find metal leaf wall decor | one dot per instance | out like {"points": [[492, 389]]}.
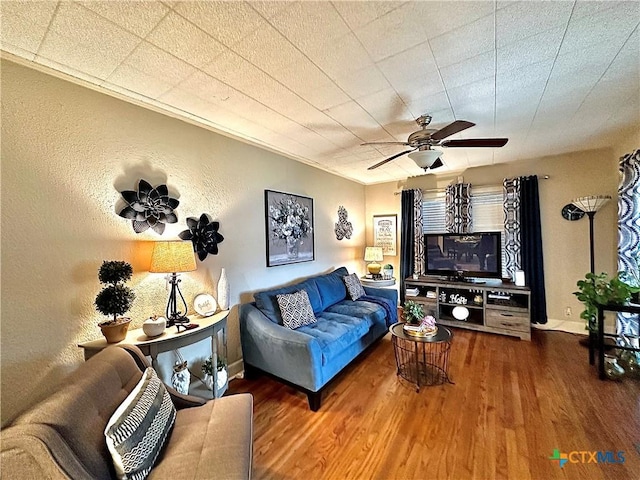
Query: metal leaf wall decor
{"points": [[344, 228], [149, 207], [204, 235]]}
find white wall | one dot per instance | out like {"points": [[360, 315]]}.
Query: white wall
{"points": [[67, 151]]}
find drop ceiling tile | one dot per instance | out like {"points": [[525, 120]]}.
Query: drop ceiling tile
{"points": [[95, 38], [531, 50], [404, 68], [479, 91], [469, 71], [79, 57], [128, 77], [304, 22], [312, 84], [585, 8], [351, 114], [392, 33], [358, 14], [342, 59], [24, 24], [526, 19], [438, 18], [231, 68], [606, 26], [268, 49], [138, 17], [71, 71], [184, 40], [362, 82], [385, 106], [428, 97], [207, 88], [227, 22], [269, 9], [153, 61], [464, 43]]}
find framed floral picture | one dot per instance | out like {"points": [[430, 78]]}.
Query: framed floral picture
{"points": [[289, 228]]}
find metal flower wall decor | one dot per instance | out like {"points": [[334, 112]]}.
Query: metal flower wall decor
{"points": [[204, 235], [149, 207], [344, 228]]}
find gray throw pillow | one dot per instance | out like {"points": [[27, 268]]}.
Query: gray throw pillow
{"points": [[139, 427], [295, 309], [354, 287]]}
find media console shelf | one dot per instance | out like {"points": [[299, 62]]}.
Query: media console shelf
{"points": [[493, 306]]}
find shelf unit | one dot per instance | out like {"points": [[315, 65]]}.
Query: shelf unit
{"points": [[493, 306], [629, 308]]}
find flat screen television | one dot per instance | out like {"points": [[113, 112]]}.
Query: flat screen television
{"points": [[464, 255]]}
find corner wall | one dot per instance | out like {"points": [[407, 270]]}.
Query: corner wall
{"points": [[67, 152], [565, 244]]}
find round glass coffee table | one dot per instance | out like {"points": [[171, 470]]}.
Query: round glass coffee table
{"points": [[423, 361]]}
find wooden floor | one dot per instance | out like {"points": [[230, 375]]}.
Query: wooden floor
{"points": [[512, 404]]}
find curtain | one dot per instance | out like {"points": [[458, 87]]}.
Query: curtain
{"points": [[511, 187], [523, 242], [418, 236], [628, 227], [407, 239], [458, 208]]}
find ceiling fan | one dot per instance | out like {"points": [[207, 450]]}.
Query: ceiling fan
{"points": [[425, 138]]}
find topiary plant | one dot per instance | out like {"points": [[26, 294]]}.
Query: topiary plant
{"points": [[116, 298]]}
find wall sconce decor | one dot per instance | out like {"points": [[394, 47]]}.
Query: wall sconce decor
{"points": [[172, 258], [344, 228], [204, 235], [149, 207]]}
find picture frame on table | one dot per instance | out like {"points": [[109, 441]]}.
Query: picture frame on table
{"points": [[288, 228], [385, 233]]}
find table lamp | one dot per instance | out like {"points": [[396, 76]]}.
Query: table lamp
{"points": [[172, 258], [373, 255]]}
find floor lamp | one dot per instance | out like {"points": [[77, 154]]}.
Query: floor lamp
{"points": [[590, 205]]}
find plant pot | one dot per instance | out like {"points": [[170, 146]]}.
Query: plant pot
{"points": [[115, 331]]}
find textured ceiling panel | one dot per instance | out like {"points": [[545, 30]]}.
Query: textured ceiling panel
{"points": [[314, 80]]}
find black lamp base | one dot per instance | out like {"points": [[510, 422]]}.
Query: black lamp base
{"points": [[175, 316]]}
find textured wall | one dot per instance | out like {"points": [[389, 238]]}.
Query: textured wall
{"points": [[66, 153]]}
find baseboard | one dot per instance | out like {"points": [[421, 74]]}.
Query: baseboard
{"points": [[562, 326]]}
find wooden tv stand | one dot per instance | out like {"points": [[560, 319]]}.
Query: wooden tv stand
{"points": [[493, 306]]}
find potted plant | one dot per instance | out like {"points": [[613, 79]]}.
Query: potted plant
{"points": [[207, 369], [114, 299], [387, 271], [598, 289], [413, 312]]}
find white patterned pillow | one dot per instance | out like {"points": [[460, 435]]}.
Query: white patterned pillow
{"points": [[139, 427], [295, 309], [354, 287]]}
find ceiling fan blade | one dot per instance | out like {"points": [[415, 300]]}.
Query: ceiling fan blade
{"points": [[384, 143], [393, 157], [452, 128], [475, 142], [437, 164]]}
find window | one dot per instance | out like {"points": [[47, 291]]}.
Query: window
{"points": [[486, 211]]}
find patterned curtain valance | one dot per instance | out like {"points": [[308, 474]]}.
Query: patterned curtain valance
{"points": [[458, 208]]}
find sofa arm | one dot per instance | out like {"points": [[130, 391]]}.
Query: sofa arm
{"points": [[291, 355], [388, 293]]}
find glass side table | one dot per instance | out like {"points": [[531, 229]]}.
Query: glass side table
{"points": [[423, 361]]}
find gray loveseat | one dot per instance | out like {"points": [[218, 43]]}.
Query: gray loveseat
{"points": [[310, 356], [62, 437]]}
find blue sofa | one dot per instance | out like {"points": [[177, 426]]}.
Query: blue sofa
{"points": [[310, 356]]}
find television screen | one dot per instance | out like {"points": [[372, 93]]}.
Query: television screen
{"points": [[464, 254]]}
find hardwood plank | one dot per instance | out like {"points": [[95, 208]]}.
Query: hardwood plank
{"points": [[512, 404]]}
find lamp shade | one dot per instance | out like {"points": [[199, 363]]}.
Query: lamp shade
{"points": [[373, 254], [174, 256], [592, 203], [425, 158]]}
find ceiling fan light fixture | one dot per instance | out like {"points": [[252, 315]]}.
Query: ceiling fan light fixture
{"points": [[425, 158]]}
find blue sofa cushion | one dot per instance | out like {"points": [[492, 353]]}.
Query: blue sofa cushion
{"points": [[331, 287], [335, 333], [295, 309], [368, 311], [267, 301]]}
